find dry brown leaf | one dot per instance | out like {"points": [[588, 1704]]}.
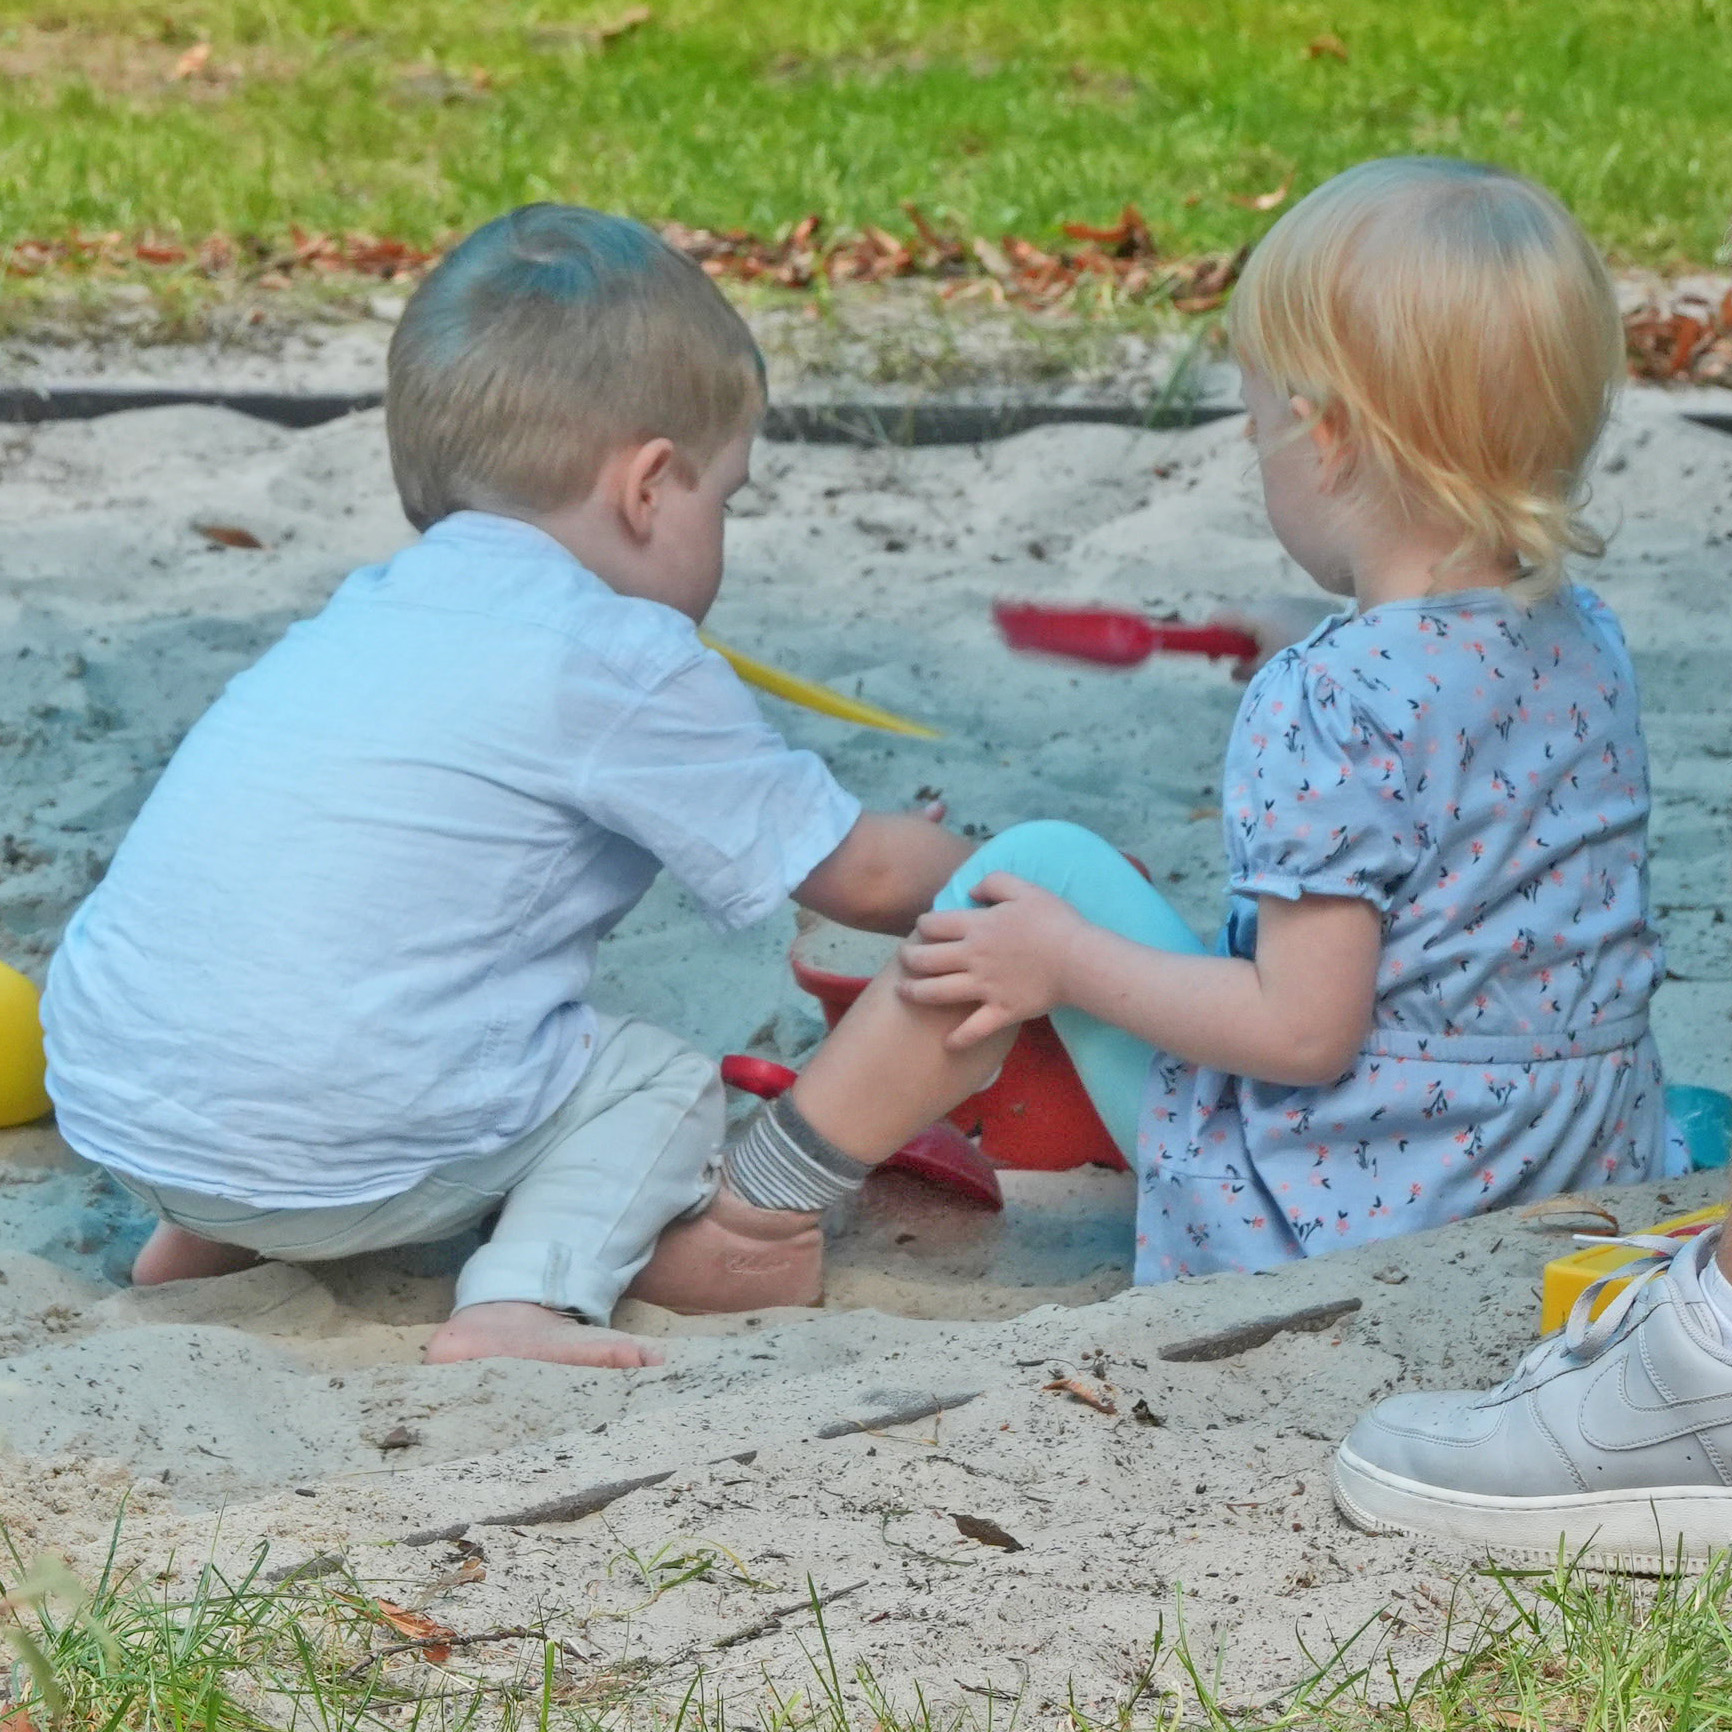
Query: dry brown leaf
{"points": [[418, 1627], [228, 535], [1078, 1390], [193, 62], [16, 1720], [1327, 46], [988, 1533], [1130, 232], [466, 1574], [1271, 200], [1568, 1208]]}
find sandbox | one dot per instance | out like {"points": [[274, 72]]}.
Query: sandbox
{"points": [[294, 1402]]}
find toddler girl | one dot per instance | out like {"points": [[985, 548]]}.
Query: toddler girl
{"points": [[1431, 994]]}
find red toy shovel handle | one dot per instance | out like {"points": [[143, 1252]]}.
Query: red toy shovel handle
{"points": [[1212, 641], [1110, 637]]}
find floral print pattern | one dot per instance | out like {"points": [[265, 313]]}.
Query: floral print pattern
{"points": [[1476, 770]]}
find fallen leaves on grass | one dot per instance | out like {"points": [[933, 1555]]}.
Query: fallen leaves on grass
{"points": [[1121, 256], [1086, 1393], [1682, 337], [988, 1533], [1328, 46], [1685, 337], [222, 255]]}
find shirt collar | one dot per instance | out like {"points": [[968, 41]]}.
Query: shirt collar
{"points": [[499, 535]]}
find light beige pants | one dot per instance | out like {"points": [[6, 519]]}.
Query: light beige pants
{"points": [[581, 1199]]}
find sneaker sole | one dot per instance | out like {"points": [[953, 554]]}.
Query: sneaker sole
{"points": [[1640, 1532]]}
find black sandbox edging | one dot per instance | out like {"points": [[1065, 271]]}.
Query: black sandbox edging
{"points": [[840, 423]]}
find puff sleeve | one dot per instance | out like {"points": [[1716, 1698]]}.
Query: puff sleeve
{"points": [[1314, 795]]}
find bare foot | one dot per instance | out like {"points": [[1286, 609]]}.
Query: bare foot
{"points": [[510, 1329], [735, 1257], [173, 1254]]}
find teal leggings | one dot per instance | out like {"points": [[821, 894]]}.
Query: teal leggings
{"points": [[1107, 890]]}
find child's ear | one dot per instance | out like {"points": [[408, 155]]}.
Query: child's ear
{"points": [[1328, 436], [647, 471]]}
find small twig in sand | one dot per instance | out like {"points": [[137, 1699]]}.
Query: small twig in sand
{"points": [[309, 1569], [922, 1408], [1242, 1337], [574, 1506], [517, 1632], [769, 1621]]}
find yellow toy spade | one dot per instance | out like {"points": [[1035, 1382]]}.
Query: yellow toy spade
{"points": [[22, 1065], [811, 695]]}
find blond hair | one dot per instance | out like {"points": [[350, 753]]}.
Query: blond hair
{"points": [[1459, 329], [549, 339]]}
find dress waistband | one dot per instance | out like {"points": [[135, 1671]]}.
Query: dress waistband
{"points": [[1467, 1047]]}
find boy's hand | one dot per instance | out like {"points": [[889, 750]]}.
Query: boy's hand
{"points": [[1009, 958]]}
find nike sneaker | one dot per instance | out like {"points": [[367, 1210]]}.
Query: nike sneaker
{"points": [[1612, 1439]]}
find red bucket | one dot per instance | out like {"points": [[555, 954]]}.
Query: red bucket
{"points": [[1036, 1116]]}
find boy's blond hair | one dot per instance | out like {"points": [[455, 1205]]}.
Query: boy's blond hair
{"points": [[1456, 325], [549, 339]]}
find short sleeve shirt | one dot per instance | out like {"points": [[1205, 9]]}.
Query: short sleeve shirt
{"points": [[1476, 771], [351, 934]]}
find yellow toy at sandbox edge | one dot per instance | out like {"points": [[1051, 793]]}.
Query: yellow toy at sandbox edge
{"points": [[1567, 1278], [22, 1064]]}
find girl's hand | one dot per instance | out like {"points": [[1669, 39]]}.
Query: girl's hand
{"points": [[1008, 958], [1274, 624]]}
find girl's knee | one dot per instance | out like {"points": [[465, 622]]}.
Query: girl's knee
{"points": [[1045, 851]]}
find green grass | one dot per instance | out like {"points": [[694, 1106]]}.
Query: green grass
{"points": [[416, 118], [1534, 1651]]}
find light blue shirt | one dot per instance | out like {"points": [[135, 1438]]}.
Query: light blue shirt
{"points": [[1475, 770], [351, 933]]}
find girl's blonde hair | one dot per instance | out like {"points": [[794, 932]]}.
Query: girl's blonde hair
{"points": [[1461, 332]]}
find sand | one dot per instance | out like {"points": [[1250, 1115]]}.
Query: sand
{"points": [[294, 1401]]}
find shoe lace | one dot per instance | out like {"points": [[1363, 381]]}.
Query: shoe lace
{"points": [[1587, 1336]]}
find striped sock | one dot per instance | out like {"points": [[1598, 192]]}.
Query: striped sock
{"points": [[779, 1162]]}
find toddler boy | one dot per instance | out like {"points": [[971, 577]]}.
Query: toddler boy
{"points": [[332, 995]]}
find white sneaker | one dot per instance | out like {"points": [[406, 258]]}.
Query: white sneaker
{"points": [[1612, 1439]]}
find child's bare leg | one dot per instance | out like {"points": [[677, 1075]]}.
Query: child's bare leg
{"points": [[516, 1329], [886, 1074], [171, 1253], [883, 1076]]}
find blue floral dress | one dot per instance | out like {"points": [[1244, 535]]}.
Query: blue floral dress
{"points": [[1476, 771]]}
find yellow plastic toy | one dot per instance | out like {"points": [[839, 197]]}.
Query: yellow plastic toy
{"points": [[22, 1065], [1567, 1278], [811, 695]]}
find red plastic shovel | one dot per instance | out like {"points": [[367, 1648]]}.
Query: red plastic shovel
{"points": [[940, 1154], [1110, 637]]}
